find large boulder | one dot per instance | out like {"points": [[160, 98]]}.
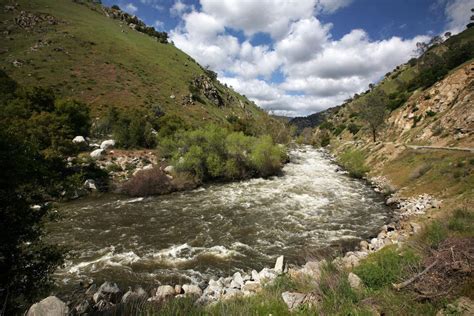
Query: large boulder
{"points": [[192, 290], [50, 306], [163, 292], [98, 153], [293, 299], [106, 144], [90, 184], [280, 265], [354, 281], [135, 295], [79, 140]]}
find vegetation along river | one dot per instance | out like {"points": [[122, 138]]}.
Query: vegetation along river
{"points": [[218, 229]]}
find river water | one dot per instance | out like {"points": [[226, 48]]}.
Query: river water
{"points": [[218, 229]]}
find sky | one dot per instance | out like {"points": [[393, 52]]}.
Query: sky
{"points": [[297, 57]]}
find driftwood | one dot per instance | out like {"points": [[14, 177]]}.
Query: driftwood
{"points": [[399, 286]]}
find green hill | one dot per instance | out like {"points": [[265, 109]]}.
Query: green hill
{"points": [[74, 47]]}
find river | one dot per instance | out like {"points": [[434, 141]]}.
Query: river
{"points": [[217, 229]]}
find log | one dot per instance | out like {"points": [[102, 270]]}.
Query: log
{"points": [[399, 286]]}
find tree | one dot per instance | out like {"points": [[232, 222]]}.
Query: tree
{"points": [[374, 112], [26, 261]]}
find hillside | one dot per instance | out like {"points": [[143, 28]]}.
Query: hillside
{"points": [[83, 52]]}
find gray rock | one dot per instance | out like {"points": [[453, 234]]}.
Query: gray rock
{"points": [[89, 184], [137, 294], [237, 278], [267, 274], [164, 291], [280, 265], [169, 169], [178, 289], [192, 290], [83, 307], [98, 153], [109, 288], [415, 227], [231, 293], [354, 281], [79, 140], [293, 299], [50, 306], [106, 144], [255, 276]]}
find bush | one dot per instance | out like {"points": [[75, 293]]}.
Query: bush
{"points": [[434, 234], [386, 266], [213, 152], [266, 158], [354, 162], [462, 221], [353, 128]]}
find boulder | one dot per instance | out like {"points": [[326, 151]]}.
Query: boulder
{"points": [[280, 265], [164, 291], [354, 281], [415, 227], [108, 291], [98, 153], [169, 169], [106, 144], [313, 269], [231, 293], [79, 140], [178, 289], [135, 295], [237, 278], [89, 184], [267, 274], [192, 290], [83, 307], [50, 306], [293, 299], [255, 276]]}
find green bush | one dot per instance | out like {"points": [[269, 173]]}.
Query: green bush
{"points": [[462, 221], [386, 266], [213, 152], [354, 162], [434, 234], [353, 128]]}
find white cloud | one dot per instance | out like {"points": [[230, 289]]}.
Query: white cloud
{"points": [[304, 40], [318, 72], [250, 16], [458, 13], [130, 8], [331, 6], [158, 24], [178, 8]]}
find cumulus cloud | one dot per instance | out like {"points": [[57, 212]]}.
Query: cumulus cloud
{"points": [[317, 71], [458, 13]]}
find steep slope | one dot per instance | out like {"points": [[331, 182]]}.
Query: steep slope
{"points": [[82, 51]]}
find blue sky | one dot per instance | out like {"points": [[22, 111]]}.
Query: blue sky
{"points": [[296, 57]]}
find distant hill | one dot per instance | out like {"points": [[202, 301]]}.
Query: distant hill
{"points": [[312, 120], [105, 58]]}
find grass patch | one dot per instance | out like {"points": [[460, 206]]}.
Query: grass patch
{"points": [[434, 234], [353, 160], [462, 221], [386, 267]]}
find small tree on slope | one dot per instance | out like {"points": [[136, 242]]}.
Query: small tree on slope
{"points": [[374, 113]]}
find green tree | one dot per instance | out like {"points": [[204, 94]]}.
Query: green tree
{"points": [[374, 112], [26, 261]]}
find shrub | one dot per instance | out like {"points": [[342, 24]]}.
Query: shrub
{"points": [[266, 157], [462, 221], [339, 129], [386, 267], [434, 234], [353, 128], [354, 162], [212, 152]]}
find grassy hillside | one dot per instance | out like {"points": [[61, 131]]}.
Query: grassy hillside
{"points": [[80, 52]]}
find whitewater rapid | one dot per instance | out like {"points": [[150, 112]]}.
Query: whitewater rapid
{"points": [[218, 229]]}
